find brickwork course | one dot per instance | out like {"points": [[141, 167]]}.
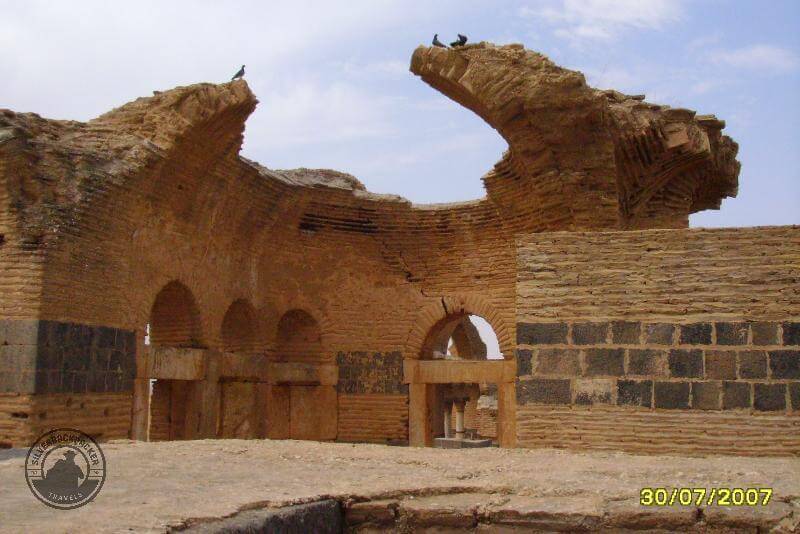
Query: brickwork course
{"points": [[156, 285]]}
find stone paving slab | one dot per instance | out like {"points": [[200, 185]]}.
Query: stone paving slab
{"points": [[154, 486]]}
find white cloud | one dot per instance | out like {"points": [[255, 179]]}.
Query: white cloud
{"points": [[758, 57], [603, 20], [77, 60], [308, 112]]}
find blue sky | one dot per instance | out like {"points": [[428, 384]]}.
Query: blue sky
{"points": [[335, 89]]}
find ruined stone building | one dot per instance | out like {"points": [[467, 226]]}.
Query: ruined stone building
{"points": [[156, 285]]}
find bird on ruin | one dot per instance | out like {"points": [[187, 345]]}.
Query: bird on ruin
{"points": [[462, 40], [239, 74], [437, 42]]}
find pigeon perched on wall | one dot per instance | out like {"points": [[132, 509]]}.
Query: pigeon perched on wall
{"points": [[437, 42], [462, 40], [239, 74]]}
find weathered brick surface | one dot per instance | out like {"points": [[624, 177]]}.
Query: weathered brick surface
{"points": [[661, 293]]}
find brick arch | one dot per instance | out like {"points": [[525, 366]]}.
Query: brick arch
{"points": [[300, 336], [175, 317], [311, 308], [433, 314], [240, 331]]}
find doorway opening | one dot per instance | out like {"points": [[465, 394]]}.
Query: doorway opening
{"points": [[464, 412], [174, 322]]}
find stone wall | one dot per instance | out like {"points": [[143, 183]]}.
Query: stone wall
{"points": [[699, 338], [65, 374]]}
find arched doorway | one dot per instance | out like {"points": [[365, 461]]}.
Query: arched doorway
{"points": [[299, 338], [460, 385], [463, 410], [240, 416], [301, 402], [174, 324], [239, 329]]}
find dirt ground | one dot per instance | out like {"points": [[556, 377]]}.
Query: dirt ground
{"points": [[153, 486]]}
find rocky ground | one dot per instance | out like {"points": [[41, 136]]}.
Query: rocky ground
{"points": [[158, 486]]}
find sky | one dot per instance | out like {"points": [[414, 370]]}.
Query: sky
{"points": [[335, 91]]}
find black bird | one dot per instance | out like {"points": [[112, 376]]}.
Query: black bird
{"points": [[436, 41], [239, 74], [462, 40]]}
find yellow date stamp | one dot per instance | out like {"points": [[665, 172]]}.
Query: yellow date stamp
{"points": [[705, 496]]}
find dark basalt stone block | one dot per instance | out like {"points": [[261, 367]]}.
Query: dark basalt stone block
{"points": [[647, 362], [765, 333], [589, 333], [605, 362], [769, 397], [753, 364], [784, 364], [659, 334], [696, 334], [558, 362], [524, 365], [791, 333], [794, 395], [732, 333], [635, 392], [671, 395], [721, 364], [735, 395], [686, 363], [707, 395], [541, 333], [544, 391], [625, 332]]}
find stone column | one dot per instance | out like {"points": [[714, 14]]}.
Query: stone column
{"points": [[460, 431], [417, 415], [448, 409], [507, 415], [140, 417]]}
